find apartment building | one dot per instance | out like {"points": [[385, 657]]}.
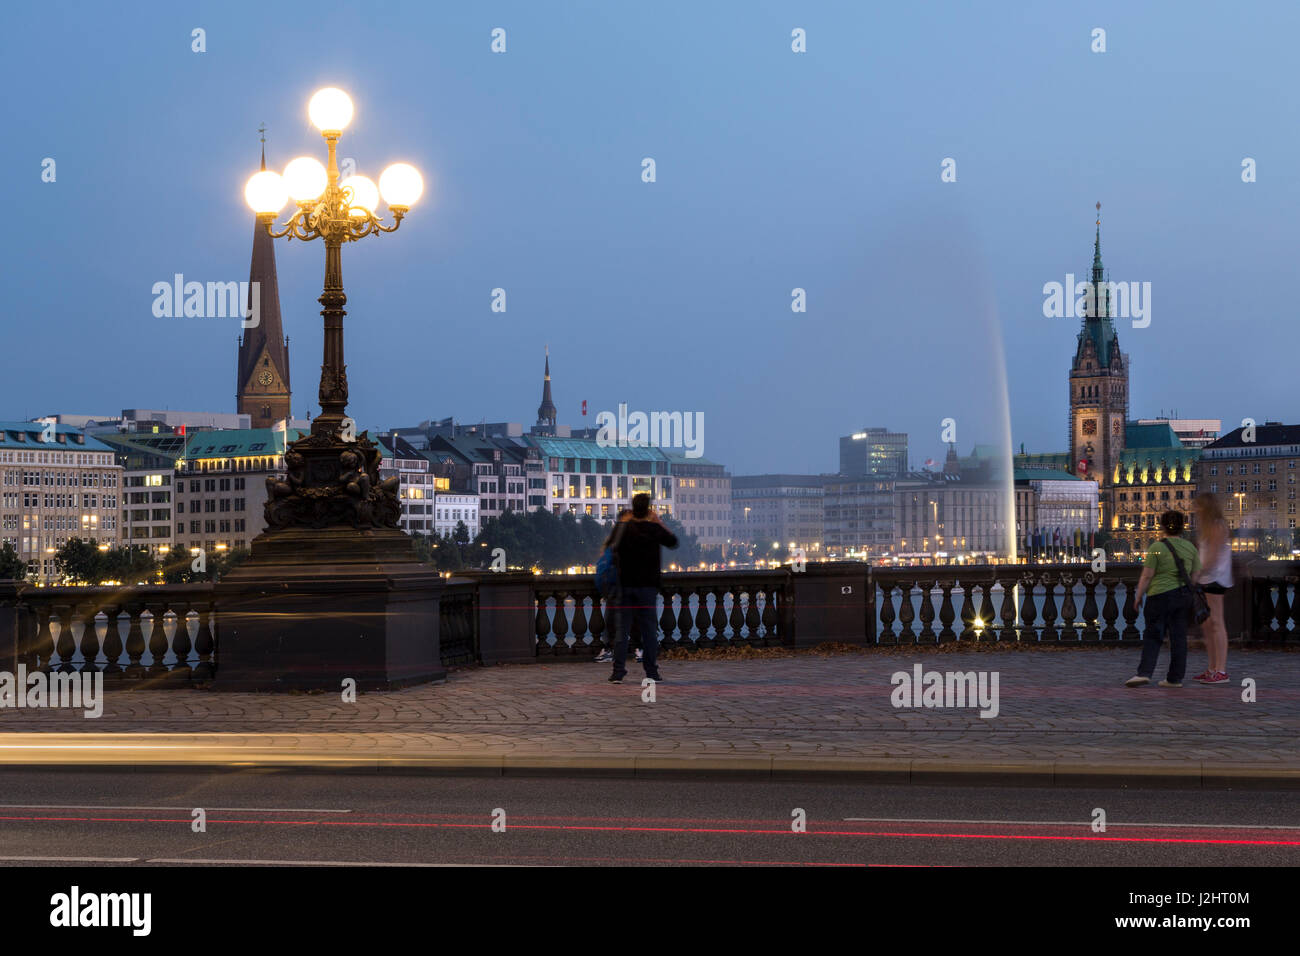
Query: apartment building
{"points": [[220, 486], [1256, 482], [56, 484], [702, 490]]}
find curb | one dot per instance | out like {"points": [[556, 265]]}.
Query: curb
{"points": [[1191, 774]]}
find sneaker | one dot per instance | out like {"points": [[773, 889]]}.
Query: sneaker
{"points": [[656, 678], [604, 657], [1170, 683], [639, 652], [615, 678], [1203, 675], [1138, 681], [1218, 677]]}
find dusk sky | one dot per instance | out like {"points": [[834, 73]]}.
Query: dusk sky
{"points": [[775, 170]]}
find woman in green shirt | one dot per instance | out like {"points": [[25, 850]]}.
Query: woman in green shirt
{"points": [[1170, 601]]}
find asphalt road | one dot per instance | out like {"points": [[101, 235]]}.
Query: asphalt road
{"points": [[268, 818]]}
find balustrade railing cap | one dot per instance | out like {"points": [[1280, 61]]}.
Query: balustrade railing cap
{"points": [[514, 577]]}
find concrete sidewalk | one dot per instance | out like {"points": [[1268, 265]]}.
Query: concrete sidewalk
{"points": [[1064, 718]]}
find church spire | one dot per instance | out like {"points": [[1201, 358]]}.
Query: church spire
{"points": [[547, 413], [1097, 325], [1096, 250], [262, 373]]}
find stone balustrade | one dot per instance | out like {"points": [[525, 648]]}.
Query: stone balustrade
{"points": [[169, 635]]}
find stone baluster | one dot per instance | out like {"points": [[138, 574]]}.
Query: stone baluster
{"points": [[89, 639], [736, 618], [112, 641], [1090, 630], [906, 613], [683, 617], [44, 639], [542, 625], [181, 640], [946, 613], [67, 643], [158, 643], [967, 613], [775, 618], [702, 619], [987, 614], [134, 639], [667, 620], [926, 612], [886, 635], [1008, 632], [719, 616], [1068, 609], [205, 644], [1110, 611], [1131, 633], [752, 619], [1049, 614], [1028, 606], [580, 632], [560, 622]]}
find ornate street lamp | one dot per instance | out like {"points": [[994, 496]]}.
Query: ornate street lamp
{"points": [[332, 474]]}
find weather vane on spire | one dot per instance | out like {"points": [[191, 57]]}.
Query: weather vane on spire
{"points": [[1099, 213]]}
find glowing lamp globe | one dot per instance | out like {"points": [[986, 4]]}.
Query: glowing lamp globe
{"points": [[305, 179], [363, 194], [401, 185], [330, 110], [265, 193]]}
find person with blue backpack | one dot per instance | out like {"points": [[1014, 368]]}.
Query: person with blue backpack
{"points": [[636, 555]]}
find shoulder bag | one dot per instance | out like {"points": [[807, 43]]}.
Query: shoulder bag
{"points": [[1200, 611]]}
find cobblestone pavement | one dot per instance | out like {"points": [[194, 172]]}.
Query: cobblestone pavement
{"points": [[1065, 708]]}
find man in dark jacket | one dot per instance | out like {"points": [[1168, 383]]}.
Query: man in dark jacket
{"points": [[638, 581]]}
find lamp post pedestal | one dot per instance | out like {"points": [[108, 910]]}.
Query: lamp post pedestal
{"points": [[315, 606]]}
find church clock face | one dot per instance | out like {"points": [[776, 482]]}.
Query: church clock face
{"points": [[1090, 426], [264, 378]]}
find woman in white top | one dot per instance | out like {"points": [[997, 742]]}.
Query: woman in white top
{"points": [[1215, 578]]}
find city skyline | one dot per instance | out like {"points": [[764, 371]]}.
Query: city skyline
{"points": [[911, 282]]}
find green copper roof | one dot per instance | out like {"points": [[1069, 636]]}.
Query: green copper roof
{"points": [[1142, 466], [589, 448], [238, 443], [27, 435], [1098, 328], [1160, 435]]}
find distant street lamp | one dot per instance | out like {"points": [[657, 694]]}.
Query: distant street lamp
{"points": [[333, 475]]}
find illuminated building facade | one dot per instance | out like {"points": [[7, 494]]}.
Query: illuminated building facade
{"points": [[56, 484], [220, 486]]}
